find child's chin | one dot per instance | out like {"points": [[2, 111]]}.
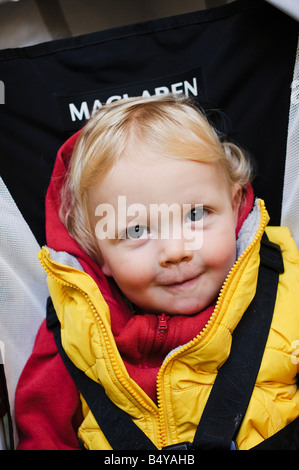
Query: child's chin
{"points": [[186, 311]]}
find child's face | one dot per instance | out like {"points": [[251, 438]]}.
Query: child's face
{"points": [[168, 274]]}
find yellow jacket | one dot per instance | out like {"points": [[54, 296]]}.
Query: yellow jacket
{"points": [[187, 374]]}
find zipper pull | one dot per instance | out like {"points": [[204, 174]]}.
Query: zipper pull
{"points": [[162, 322]]}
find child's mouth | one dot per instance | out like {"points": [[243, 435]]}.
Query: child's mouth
{"points": [[182, 284]]}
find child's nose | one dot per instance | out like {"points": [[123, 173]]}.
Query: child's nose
{"points": [[174, 252]]}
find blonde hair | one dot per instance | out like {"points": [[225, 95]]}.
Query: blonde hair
{"points": [[170, 124]]}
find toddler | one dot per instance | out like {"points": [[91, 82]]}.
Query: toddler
{"points": [[152, 256]]}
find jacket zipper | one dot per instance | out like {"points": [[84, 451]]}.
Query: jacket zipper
{"points": [[162, 329], [122, 379]]}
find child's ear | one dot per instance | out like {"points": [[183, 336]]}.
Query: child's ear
{"points": [[236, 201], [103, 265], [106, 270]]}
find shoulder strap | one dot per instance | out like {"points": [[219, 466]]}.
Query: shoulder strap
{"points": [[233, 386], [117, 426], [235, 380]]}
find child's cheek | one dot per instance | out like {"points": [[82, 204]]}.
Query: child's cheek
{"points": [[220, 251], [135, 274]]}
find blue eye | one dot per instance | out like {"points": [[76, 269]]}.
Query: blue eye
{"points": [[136, 231], [196, 214]]}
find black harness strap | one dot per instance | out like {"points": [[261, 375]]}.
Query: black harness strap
{"points": [[235, 380], [117, 426], [233, 386]]}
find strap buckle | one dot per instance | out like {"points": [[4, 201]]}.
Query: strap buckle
{"points": [[188, 446], [179, 446]]}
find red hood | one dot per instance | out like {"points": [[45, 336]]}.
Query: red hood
{"points": [[57, 235], [138, 337]]}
